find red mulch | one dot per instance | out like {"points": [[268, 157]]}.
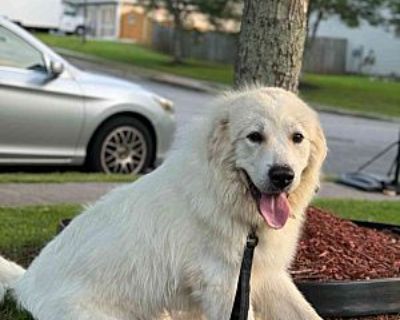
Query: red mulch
{"points": [[335, 249]]}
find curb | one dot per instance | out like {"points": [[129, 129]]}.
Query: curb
{"points": [[203, 86], [153, 75], [355, 114]]}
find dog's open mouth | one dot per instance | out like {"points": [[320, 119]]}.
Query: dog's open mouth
{"points": [[273, 207]]}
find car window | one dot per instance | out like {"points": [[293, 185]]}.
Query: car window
{"points": [[16, 53], [70, 10]]}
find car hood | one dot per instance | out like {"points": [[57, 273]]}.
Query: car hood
{"points": [[101, 86]]}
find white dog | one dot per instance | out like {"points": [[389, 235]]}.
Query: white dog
{"points": [[171, 244]]}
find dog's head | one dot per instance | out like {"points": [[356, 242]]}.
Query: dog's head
{"points": [[276, 146]]}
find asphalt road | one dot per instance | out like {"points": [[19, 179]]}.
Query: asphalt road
{"points": [[351, 140]]}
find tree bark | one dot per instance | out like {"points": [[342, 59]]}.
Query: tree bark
{"points": [[314, 29], [175, 8], [271, 43], [178, 43]]}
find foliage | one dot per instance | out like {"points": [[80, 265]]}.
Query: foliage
{"points": [[213, 8], [394, 18], [180, 9], [352, 12]]}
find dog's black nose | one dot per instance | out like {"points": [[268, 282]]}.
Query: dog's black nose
{"points": [[281, 176]]}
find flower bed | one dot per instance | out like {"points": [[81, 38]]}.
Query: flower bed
{"points": [[345, 269], [335, 249]]}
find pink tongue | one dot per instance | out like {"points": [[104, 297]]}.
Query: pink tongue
{"points": [[275, 210]]}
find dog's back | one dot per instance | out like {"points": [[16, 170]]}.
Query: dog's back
{"points": [[102, 259]]}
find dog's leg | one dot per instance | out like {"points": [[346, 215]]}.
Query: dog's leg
{"points": [[277, 298], [216, 304], [216, 291], [76, 312], [217, 300]]}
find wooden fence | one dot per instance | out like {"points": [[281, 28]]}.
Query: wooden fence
{"points": [[328, 55]]}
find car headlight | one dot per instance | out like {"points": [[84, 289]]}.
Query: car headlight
{"points": [[166, 104]]}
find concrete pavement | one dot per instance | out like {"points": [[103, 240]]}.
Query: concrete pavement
{"points": [[85, 193]]}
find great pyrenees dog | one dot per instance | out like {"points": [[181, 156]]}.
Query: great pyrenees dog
{"points": [[170, 245]]}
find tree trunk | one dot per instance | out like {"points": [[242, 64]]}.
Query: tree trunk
{"points": [[178, 34], [314, 29], [271, 43]]}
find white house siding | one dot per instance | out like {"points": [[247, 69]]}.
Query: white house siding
{"points": [[384, 44]]}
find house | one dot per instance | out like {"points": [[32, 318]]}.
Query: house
{"points": [[127, 20], [117, 19], [370, 49]]}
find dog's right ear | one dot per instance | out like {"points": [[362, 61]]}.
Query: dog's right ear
{"points": [[218, 141]]}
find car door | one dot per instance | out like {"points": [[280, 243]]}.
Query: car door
{"points": [[40, 118]]}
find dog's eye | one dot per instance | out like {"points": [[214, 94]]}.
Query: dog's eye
{"points": [[255, 137], [297, 137]]}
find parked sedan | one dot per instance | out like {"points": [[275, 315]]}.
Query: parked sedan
{"points": [[52, 113]]}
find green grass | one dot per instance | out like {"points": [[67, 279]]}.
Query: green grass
{"points": [[8, 311], [63, 177], [25, 230], [373, 211], [353, 93], [143, 57]]}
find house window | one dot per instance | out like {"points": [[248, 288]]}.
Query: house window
{"points": [[107, 21], [131, 19]]}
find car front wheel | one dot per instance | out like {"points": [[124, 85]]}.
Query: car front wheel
{"points": [[123, 145]]}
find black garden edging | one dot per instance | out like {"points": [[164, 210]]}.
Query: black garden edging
{"points": [[355, 298], [348, 298]]}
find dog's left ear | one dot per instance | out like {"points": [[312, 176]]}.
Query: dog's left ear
{"points": [[218, 141], [317, 156], [319, 149], [311, 175]]}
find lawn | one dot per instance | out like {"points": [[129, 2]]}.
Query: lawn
{"points": [[24, 230], [63, 177], [353, 93], [372, 211], [142, 57]]}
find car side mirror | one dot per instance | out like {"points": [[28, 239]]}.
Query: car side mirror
{"points": [[56, 68]]}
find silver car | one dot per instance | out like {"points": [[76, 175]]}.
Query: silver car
{"points": [[52, 113]]}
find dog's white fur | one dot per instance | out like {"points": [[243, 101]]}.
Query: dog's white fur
{"points": [[171, 243]]}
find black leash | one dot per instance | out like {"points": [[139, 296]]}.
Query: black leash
{"points": [[241, 305]]}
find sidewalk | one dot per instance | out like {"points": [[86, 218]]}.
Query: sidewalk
{"points": [[84, 193]]}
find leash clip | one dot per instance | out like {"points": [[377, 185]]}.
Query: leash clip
{"points": [[252, 240]]}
